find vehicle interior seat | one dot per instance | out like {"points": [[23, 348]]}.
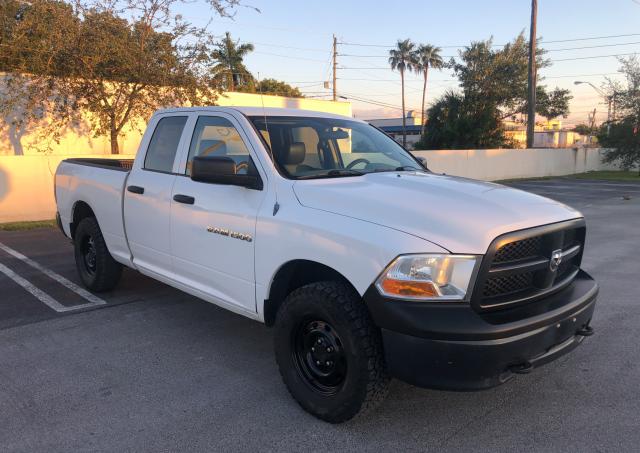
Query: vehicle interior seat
{"points": [[293, 157]]}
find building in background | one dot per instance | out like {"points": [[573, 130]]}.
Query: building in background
{"points": [[549, 134], [393, 127]]}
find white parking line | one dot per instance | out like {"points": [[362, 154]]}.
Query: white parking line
{"points": [[44, 297], [93, 299]]}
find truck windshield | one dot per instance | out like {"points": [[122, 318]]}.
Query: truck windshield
{"points": [[309, 148]]}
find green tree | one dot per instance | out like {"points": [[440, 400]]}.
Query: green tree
{"points": [[622, 136], [622, 143], [63, 61], [230, 69], [426, 56], [278, 88], [583, 129], [402, 59], [626, 94], [455, 122], [493, 83], [554, 103]]}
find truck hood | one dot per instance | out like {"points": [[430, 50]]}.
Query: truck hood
{"points": [[458, 214]]}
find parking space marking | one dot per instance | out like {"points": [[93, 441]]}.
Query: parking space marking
{"points": [[93, 299], [38, 293]]}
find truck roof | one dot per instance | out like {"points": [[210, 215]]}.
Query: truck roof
{"points": [[258, 111]]}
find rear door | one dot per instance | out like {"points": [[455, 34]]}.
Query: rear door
{"points": [[213, 225], [147, 197]]}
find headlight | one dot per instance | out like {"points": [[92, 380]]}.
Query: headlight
{"points": [[429, 277]]}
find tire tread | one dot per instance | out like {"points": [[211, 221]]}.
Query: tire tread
{"points": [[376, 381]]}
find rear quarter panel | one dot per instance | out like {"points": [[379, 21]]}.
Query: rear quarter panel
{"points": [[102, 190]]}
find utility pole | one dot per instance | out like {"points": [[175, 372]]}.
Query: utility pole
{"points": [[335, 64], [531, 98], [609, 102]]}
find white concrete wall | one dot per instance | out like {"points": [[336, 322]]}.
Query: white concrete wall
{"points": [[78, 140], [26, 186], [497, 164], [26, 182]]}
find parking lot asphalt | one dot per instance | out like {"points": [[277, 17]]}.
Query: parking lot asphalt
{"points": [[149, 368]]}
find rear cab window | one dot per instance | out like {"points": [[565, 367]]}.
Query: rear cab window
{"points": [[163, 146]]}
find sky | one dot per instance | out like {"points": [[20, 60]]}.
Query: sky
{"points": [[293, 40]]}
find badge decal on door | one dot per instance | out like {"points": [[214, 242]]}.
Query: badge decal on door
{"points": [[229, 233]]}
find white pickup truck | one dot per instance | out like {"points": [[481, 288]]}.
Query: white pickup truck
{"points": [[367, 265]]}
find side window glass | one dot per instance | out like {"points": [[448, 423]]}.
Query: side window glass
{"points": [[164, 144], [216, 136]]}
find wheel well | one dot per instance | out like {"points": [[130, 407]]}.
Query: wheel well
{"points": [[81, 210], [294, 275]]}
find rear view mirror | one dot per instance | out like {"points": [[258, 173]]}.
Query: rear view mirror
{"points": [[222, 170], [423, 161], [338, 134]]}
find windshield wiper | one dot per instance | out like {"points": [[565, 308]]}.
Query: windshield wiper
{"points": [[401, 168], [334, 173], [408, 168]]}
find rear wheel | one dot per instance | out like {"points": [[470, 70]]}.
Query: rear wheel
{"points": [[329, 352], [96, 267]]}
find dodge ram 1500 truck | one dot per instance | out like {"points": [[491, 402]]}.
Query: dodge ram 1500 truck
{"points": [[367, 264]]}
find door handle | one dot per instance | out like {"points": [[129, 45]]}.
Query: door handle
{"points": [[186, 199], [136, 189]]}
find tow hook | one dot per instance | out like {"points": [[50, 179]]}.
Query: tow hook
{"points": [[586, 331], [521, 368]]}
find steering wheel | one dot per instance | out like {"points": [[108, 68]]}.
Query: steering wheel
{"points": [[356, 162]]}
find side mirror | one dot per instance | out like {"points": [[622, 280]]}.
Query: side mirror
{"points": [[423, 161], [222, 170]]}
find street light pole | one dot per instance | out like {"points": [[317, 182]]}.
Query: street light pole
{"points": [[608, 98]]}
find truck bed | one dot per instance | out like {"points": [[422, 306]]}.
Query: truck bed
{"points": [[109, 164], [100, 184]]}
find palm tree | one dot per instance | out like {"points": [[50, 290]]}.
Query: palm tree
{"points": [[427, 56], [402, 59], [229, 55]]}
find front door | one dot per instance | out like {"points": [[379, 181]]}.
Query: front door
{"points": [[213, 225]]}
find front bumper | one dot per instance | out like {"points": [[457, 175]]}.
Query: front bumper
{"points": [[451, 346]]}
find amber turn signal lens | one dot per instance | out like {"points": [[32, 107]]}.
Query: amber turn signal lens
{"points": [[408, 288]]}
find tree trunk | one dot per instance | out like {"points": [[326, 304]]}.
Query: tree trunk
{"points": [[404, 120], [231, 81], [424, 95], [114, 141]]}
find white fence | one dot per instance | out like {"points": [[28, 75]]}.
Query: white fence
{"points": [[26, 182], [498, 164]]}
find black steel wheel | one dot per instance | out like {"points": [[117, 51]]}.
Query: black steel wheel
{"points": [[96, 267], [88, 250], [329, 352], [319, 356]]}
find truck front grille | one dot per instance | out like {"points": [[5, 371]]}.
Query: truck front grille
{"points": [[521, 267]]}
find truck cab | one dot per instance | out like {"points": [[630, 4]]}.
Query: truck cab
{"points": [[366, 264]]}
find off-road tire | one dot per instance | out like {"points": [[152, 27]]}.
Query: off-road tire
{"points": [[104, 276], [365, 381]]}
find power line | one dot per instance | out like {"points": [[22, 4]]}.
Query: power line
{"points": [[547, 50], [289, 56], [308, 49], [597, 56], [592, 38], [593, 47], [374, 102], [500, 45], [553, 60]]}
